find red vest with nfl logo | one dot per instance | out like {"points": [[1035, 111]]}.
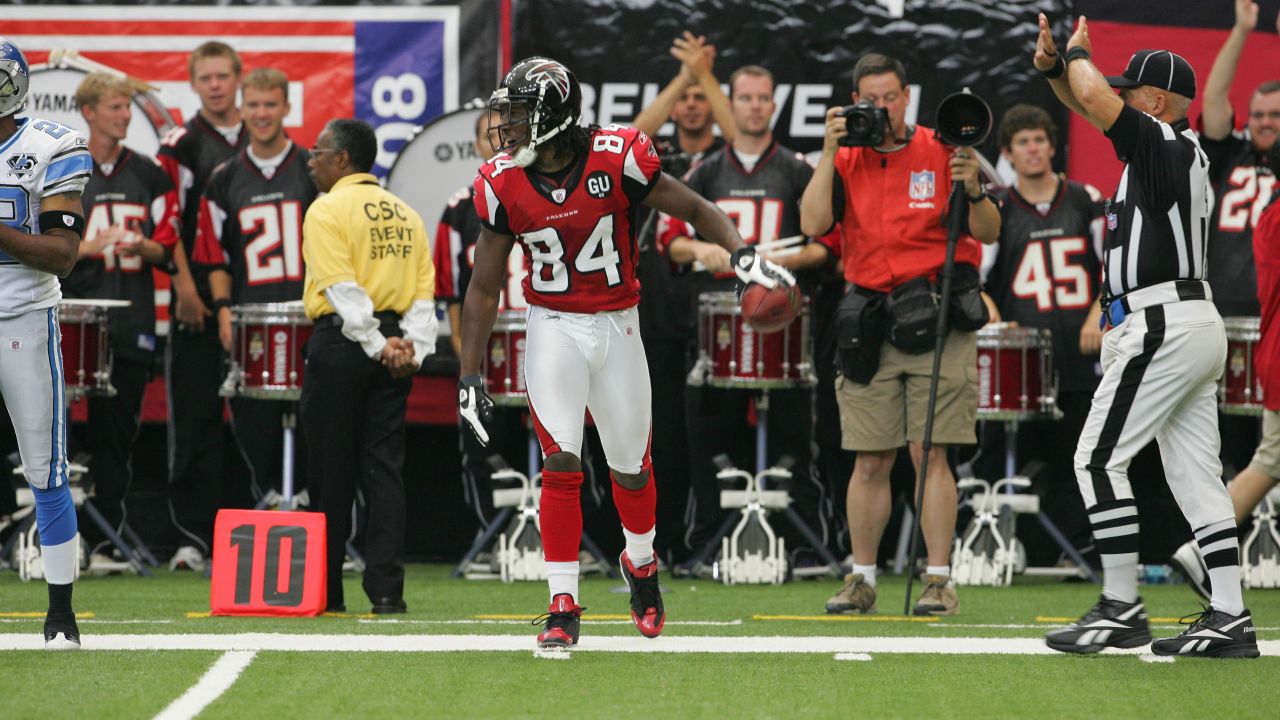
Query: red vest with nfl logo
{"points": [[894, 219]]}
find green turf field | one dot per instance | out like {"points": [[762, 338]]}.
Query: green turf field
{"points": [[743, 651]]}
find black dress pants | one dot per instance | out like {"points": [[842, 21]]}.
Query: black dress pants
{"points": [[193, 374], [113, 428], [353, 415]]}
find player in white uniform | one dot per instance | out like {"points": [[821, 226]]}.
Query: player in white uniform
{"points": [[43, 168]]}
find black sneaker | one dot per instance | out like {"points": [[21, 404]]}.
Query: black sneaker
{"points": [[61, 632], [646, 597], [1110, 623], [1213, 633], [1187, 558], [561, 623]]}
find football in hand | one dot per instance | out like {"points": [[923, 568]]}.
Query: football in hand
{"points": [[768, 310]]}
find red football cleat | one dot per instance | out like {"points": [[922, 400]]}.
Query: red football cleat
{"points": [[646, 596], [560, 623]]}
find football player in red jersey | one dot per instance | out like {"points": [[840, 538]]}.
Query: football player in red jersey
{"points": [[570, 196]]}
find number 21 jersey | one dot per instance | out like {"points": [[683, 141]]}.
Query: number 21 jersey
{"points": [[251, 225], [578, 228]]}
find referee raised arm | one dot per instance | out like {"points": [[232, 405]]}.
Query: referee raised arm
{"points": [[1162, 354], [369, 288]]}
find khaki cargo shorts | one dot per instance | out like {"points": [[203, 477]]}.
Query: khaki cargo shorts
{"points": [[890, 410], [1266, 459]]}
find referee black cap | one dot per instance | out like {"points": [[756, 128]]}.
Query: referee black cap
{"points": [[1158, 69]]}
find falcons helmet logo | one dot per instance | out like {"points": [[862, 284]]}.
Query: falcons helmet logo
{"points": [[551, 73]]}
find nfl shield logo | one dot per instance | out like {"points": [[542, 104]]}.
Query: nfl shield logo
{"points": [[921, 185], [15, 343], [558, 195], [1112, 221]]}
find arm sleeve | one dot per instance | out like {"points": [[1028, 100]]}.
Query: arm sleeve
{"points": [[420, 326], [325, 248], [172, 160], [70, 166], [359, 325], [1157, 156], [164, 212], [641, 167], [210, 226], [489, 208]]}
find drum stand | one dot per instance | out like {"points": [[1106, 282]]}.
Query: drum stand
{"points": [[1011, 471], [731, 520], [137, 556], [486, 537]]}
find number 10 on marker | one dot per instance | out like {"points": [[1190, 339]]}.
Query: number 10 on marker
{"points": [[268, 563]]}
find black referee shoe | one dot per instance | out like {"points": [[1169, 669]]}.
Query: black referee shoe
{"points": [[1213, 633], [1110, 623]]}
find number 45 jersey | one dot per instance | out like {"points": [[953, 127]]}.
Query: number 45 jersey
{"points": [[1045, 271], [251, 226], [41, 159], [578, 227]]}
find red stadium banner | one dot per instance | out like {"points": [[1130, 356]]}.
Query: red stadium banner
{"points": [[268, 563], [396, 68]]}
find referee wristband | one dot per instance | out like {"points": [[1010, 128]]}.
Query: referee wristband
{"points": [[1076, 53], [1055, 72]]}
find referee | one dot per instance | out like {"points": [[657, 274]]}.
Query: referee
{"points": [[1162, 354], [369, 287]]}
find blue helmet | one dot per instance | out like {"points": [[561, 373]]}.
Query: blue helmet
{"points": [[15, 78]]}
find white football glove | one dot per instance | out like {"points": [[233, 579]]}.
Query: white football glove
{"points": [[750, 267], [475, 406]]}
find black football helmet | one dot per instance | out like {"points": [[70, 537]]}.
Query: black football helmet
{"points": [[536, 101]]}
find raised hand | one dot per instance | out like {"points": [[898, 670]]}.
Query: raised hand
{"points": [[1046, 52]]}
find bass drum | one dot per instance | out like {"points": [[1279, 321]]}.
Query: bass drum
{"points": [[436, 162], [53, 93]]}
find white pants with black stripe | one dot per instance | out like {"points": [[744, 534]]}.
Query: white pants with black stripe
{"points": [[1161, 367]]}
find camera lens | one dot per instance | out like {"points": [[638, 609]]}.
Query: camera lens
{"points": [[859, 123]]}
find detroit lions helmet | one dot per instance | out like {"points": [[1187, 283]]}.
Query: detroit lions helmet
{"points": [[15, 78], [537, 100]]}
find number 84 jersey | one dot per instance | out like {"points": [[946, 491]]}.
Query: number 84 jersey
{"points": [[251, 225], [577, 227]]}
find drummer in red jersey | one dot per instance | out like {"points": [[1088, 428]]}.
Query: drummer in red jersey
{"points": [[570, 195]]}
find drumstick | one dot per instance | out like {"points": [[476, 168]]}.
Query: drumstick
{"points": [[780, 243], [68, 58]]}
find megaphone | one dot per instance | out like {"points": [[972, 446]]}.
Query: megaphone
{"points": [[964, 119]]}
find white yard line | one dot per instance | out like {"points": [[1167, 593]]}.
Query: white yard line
{"points": [[217, 680], [589, 643]]}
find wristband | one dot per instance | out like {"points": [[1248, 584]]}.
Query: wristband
{"points": [[982, 195], [1059, 67], [219, 304], [1076, 53]]}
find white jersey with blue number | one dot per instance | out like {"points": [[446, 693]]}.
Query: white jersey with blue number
{"points": [[41, 159]]}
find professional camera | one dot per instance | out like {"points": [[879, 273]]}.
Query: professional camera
{"points": [[867, 124]]}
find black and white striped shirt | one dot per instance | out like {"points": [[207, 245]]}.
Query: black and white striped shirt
{"points": [[1158, 221]]}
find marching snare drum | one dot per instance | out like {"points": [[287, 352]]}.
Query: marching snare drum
{"points": [[504, 359], [86, 352], [1015, 373], [266, 350], [1240, 390], [731, 354]]}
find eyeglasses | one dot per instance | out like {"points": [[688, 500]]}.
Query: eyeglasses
{"points": [[317, 151]]}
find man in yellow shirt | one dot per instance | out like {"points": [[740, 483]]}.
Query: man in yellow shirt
{"points": [[369, 288]]}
